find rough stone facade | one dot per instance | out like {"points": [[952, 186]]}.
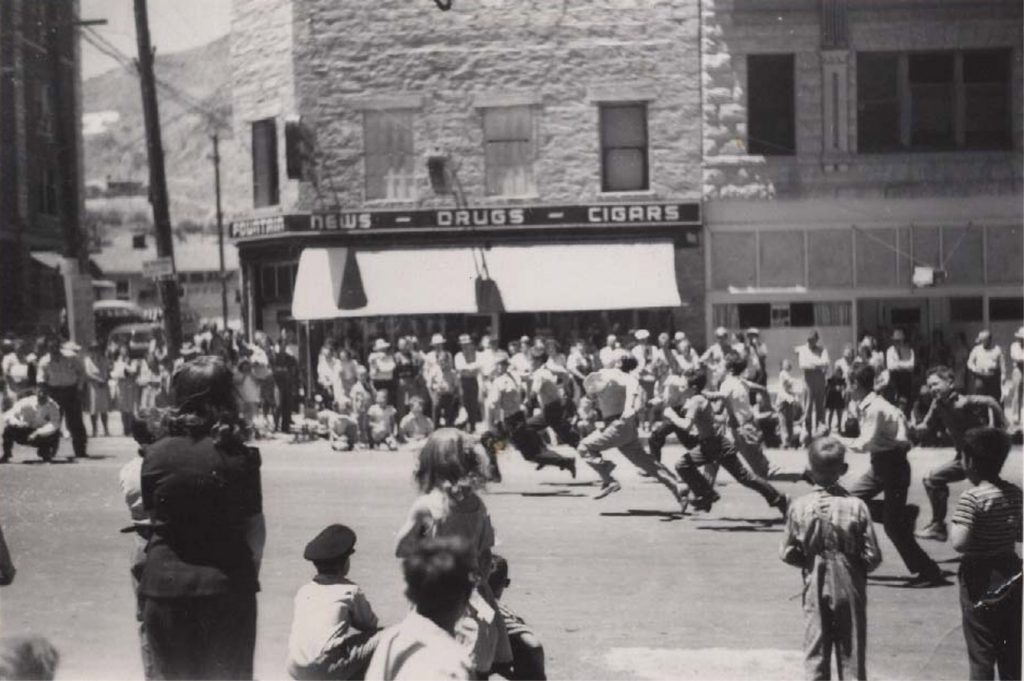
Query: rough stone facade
{"points": [[732, 29], [329, 62]]}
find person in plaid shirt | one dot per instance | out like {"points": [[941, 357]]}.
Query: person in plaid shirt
{"points": [[830, 537]]}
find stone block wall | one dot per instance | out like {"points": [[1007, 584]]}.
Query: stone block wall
{"points": [[732, 29], [561, 55]]}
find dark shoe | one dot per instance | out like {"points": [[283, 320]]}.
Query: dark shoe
{"points": [[570, 466], [540, 466], [782, 504], [705, 502], [607, 489]]}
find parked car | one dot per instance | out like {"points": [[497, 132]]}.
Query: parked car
{"points": [[108, 314], [136, 336]]}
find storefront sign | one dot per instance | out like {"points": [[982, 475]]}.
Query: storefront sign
{"points": [[598, 215]]}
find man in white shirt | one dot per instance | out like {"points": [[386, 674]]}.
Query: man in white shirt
{"points": [[33, 421], [814, 361], [1017, 386], [901, 361], [439, 577], [619, 397], [467, 366], [714, 357], [987, 366], [884, 435], [609, 354]]}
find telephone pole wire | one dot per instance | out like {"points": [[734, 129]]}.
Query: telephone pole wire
{"points": [[158, 181]]}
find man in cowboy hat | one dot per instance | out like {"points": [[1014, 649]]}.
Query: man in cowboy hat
{"points": [[901, 361], [61, 370], [468, 367], [439, 373]]}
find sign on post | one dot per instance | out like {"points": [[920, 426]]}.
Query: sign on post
{"points": [[161, 268]]}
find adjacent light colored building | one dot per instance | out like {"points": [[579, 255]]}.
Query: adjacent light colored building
{"points": [[848, 144]]}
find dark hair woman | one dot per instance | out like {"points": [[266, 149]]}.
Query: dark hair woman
{"points": [[201, 487]]}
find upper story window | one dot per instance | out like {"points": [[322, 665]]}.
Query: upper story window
{"points": [[509, 150], [933, 101], [624, 162], [389, 155], [46, 190], [265, 190], [771, 116]]}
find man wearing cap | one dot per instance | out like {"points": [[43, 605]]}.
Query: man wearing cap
{"points": [[334, 629], [900, 361], [618, 397], [519, 359], [813, 359], [1017, 386], [506, 400], [468, 366], [62, 372], [34, 421], [17, 371], [987, 366]]}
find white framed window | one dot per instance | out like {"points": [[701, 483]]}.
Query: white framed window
{"points": [[389, 155], [624, 153], [509, 150]]}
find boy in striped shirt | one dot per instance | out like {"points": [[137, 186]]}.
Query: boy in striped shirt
{"points": [[986, 527]]}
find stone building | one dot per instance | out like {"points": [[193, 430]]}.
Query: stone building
{"points": [[862, 168], [569, 134]]}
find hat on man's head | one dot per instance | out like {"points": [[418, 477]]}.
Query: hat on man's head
{"points": [[524, 339], [680, 335], [983, 336], [500, 356], [70, 348], [380, 345], [642, 334], [1020, 333], [721, 332], [464, 339], [437, 339], [753, 331], [814, 335], [334, 542]]}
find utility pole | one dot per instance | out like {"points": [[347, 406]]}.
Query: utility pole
{"points": [[158, 181], [220, 229], [61, 30]]}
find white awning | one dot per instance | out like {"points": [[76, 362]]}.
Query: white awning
{"points": [[338, 282]]}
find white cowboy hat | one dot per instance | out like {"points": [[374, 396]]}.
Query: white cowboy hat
{"points": [[437, 339]]}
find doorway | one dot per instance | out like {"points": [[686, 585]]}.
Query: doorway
{"points": [[879, 317]]}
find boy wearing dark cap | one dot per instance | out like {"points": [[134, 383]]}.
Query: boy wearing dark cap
{"points": [[334, 629], [831, 538]]}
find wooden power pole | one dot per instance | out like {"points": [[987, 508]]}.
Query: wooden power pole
{"points": [[220, 230], [158, 181]]}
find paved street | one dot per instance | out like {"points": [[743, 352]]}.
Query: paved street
{"points": [[622, 588]]}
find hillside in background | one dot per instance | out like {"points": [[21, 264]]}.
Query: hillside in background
{"points": [[115, 138]]}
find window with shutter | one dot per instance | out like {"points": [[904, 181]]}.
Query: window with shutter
{"points": [[624, 147], [509, 151], [389, 157]]}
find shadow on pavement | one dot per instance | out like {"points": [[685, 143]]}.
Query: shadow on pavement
{"points": [[40, 462], [592, 483], [557, 493], [666, 516], [751, 526]]}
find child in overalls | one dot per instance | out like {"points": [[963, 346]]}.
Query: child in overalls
{"points": [[830, 536]]}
